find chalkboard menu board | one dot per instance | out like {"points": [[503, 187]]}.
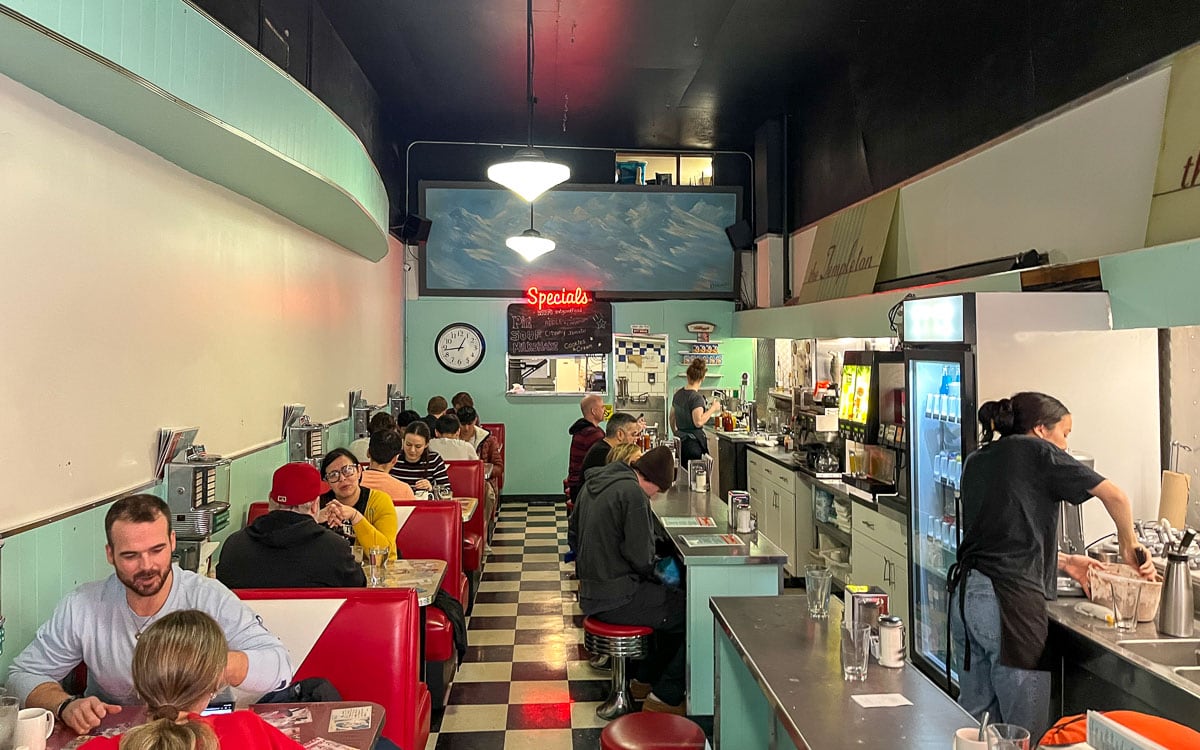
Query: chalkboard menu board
{"points": [[559, 331]]}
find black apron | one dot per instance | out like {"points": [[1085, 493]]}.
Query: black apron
{"points": [[692, 444], [1024, 622]]}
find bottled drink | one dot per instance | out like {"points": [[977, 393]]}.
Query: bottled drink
{"points": [[947, 377]]}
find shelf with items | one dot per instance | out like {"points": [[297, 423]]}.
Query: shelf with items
{"points": [[833, 532], [780, 394], [709, 359], [696, 341]]}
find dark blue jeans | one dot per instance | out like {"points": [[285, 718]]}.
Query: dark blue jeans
{"points": [[1010, 695]]}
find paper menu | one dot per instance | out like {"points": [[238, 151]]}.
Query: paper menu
{"points": [[687, 521], [881, 700], [350, 719], [713, 540]]}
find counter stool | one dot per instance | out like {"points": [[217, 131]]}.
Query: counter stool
{"points": [[620, 642], [652, 731]]}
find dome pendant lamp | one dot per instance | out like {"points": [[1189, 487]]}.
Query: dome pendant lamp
{"points": [[530, 244], [529, 173]]}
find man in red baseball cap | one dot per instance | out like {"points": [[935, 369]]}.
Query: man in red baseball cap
{"points": [[287, 548]]}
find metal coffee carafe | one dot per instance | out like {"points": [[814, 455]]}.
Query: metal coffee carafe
{"points": [[1175, 609]]}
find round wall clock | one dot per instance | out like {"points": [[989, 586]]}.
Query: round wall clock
{"points": [[459, 347]]}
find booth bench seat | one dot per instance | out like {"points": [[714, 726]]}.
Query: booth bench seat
{"points": [[364, 641]]}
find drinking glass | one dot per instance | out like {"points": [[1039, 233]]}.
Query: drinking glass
{"points": [[376, 558], [357, 551], [856, 644], [8, 719], [817, 579], [444, 492], [1126, 592], [1007, 737]]}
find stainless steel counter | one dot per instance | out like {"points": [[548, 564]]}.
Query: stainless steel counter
{"points": [[680, 501], [737, 436], [796, 663], [785, 458]]}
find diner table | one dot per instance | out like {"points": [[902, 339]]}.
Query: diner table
{"points": [[469, 506], [304, 722], [425, 576]]}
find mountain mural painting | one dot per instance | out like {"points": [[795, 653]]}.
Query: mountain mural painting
{"points": [[631, 241]]}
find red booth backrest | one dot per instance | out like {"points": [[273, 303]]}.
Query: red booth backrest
{"points": [[434, 532], [255, 510], [466, 479], [364, 641]]}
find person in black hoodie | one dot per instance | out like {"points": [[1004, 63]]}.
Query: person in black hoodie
{"points": [[615, 564], [287, 548]]}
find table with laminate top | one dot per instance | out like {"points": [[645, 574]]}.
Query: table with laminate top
{"points": [[752, 568], [779, 677]]}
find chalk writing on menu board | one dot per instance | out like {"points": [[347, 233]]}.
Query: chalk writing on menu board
{"points": [[560, 331]]}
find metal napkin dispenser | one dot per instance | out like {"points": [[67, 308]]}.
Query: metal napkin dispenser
{"points": [[198, 494]]}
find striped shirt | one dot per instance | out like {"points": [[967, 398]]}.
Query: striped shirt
{"points": [[430, 466]]}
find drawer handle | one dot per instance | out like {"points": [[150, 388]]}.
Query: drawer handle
{"points": [[869, 525]]}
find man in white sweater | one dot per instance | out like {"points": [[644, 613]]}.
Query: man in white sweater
{"points": [[98, 623], [447, 445]]}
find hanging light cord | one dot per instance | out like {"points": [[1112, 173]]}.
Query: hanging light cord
{"points": [[531, 214], [529, 68]]}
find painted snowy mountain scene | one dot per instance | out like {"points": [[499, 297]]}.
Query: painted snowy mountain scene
{"points": [[634, 241]]}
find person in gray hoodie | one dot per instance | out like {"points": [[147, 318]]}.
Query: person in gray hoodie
{"points": [[287, 548], [615, 565]]}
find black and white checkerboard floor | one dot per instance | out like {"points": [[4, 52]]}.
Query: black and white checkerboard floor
{"points": [[525, 682]]}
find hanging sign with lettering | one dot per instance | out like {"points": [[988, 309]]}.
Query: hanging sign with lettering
{"points": [[554, 323], [847, 251], [1175, 207]]}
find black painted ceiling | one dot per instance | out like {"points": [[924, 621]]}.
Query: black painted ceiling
{"points": [[677, 74]]}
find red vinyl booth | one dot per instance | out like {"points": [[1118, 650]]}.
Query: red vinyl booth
{"points": [[466, 480], [434, 532], [255, 510], [383, 664]]}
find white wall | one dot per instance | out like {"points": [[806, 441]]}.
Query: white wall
{"points": [[138, 296]]}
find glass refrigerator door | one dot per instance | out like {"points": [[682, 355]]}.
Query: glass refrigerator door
{"points": [[936, 430]]}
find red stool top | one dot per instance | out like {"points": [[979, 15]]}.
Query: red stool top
{"points": [[652, 731], [608, 630]]}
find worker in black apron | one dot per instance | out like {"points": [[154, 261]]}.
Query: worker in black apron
{"points": [[1008, 559], [688, 415]]}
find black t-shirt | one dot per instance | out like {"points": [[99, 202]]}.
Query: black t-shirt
{"points": [[597, 455], [683, 402], [1010, 494]]}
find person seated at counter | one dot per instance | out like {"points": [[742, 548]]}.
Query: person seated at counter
{"points": [[383, 452], [436, 407], [419, 467], [688, 415], [287, 548], [447, 443], [99, 623], [626, 454], [380, 420], [178, 665], [615, 565], [585, 432], [1008, 558], [622, 429], [370, 513]]}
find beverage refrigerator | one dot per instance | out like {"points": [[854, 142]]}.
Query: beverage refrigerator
{"points": [[963, 350]]}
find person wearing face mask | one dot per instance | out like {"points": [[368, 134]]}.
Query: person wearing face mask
{"points": [[1008, 558], [370, 513], [419, 467], [99, 624]]}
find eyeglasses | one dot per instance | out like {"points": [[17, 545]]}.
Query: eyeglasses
{"points": [[345, 472]]}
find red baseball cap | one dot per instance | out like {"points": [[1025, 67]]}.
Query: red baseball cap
{"points": [[295, 484]]}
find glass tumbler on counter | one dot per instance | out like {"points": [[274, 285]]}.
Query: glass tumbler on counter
{"points": [[8, 719], [1126, 592], [376, 559], [817, 579], [1007, 737], [856, 645]]}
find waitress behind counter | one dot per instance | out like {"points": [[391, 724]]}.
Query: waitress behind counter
{"points": [[1008, 560], [688, 414]]}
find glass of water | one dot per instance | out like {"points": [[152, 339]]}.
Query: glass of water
{"points": [[8, 719], [376, 558], [856, 644], [817, 579], [1007, 737]]}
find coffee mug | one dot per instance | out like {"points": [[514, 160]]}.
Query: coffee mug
{"points": [[967, 738], [34, 725]]}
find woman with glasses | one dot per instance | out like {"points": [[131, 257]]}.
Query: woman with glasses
{"points": [[369, 512], [419, 467]]}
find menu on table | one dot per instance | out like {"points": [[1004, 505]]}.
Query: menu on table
{"points": [[693, 521], [713, 540]]}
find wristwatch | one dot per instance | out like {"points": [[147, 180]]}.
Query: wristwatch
{"points": [[61, 706]]}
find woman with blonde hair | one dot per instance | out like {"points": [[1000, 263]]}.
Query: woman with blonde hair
{"points": [[626, 453], [178, 666]]}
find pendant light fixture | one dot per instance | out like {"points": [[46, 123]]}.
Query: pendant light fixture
{"points": [[529, 173], [530, 244]]}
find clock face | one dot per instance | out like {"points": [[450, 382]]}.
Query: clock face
{"points": [[459, 347]]}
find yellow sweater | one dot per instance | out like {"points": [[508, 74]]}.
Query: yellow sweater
{"points": [[379, 526]]}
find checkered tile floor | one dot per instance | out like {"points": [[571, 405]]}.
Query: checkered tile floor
{"points": [[525, 681]]}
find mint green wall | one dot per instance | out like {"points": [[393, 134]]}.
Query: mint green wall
{"points": [[536, 437], [39, 566], [282, 148], [1154, 287]]}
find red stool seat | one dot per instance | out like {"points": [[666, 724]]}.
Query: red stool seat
{"points": [[652, 731], [608, 630]]}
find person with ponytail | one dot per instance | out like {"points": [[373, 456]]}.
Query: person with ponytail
{"points": [[1008, 560], [178, 666], [689, 415]]}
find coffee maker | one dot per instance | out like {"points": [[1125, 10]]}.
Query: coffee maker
{"points": [[818, 445]]}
